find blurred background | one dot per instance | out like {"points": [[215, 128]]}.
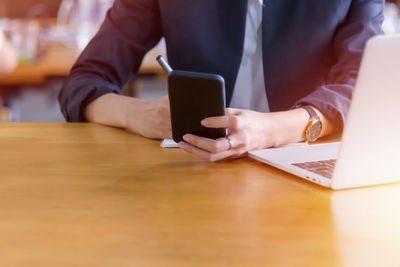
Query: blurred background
{"points": [[48, 36]]}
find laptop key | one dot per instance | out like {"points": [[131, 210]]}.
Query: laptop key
{"points": [[322, 167]]}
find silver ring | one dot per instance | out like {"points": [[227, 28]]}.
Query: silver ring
{"points": [[230, 143]]}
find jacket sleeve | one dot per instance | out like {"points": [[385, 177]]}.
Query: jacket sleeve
{"points": [[333, 99], [113, 57]]}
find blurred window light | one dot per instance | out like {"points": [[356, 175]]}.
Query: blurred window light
{"points": [[80, 20], [391, 24]]}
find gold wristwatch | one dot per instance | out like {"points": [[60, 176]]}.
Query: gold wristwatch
{"points": [[314, 127]]}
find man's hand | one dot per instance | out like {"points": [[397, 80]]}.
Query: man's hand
{"points": [[152, 119], [250, 130]]}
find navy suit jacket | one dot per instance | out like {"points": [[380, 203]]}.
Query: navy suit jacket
{"points": [[311, 48]]}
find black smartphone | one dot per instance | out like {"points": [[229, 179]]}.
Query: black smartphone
{"points": [[193, 97]]}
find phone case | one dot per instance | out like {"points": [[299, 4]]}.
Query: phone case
{"points": [[193, 97]]}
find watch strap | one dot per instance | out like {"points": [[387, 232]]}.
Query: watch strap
{"points": [[311, 111], [311, 134]]}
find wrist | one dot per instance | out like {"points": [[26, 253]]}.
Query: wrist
{"points": [[318, 124], [289, 126], [314, 126], [132, 109], [111, 109]]}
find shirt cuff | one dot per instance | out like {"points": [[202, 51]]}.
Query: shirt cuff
{"points": [[74, 107]]}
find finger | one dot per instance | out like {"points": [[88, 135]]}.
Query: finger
{"points": [[239, 139], [211, 157], [209, 145], [230, 122]]}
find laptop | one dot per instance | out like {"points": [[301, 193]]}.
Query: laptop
{"points": [[369, 151]]}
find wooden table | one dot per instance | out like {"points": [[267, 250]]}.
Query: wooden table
{"points": [[88, 195]]}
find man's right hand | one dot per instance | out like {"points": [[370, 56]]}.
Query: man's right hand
{"points": [[150, 118]]}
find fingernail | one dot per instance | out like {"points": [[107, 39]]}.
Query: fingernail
{"points": [[181, 145], [204, 122]]}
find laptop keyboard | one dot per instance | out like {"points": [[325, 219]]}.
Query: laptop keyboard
{"points": [[322, 167]]}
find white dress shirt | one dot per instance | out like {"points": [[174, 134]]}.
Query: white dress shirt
{"points": [[249, 91]]}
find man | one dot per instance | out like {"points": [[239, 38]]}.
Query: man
{"points": [[284, 62]]}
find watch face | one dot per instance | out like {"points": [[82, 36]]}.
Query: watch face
{"points": [[315, 131]]}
